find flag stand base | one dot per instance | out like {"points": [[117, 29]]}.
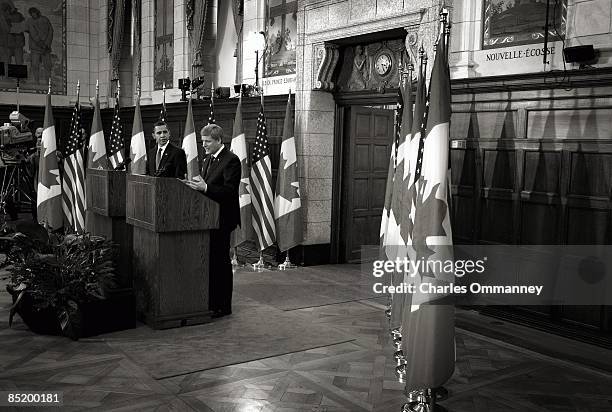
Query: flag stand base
{"points": [[235, 259], [260, 265], [425, 402], [286, 265]]}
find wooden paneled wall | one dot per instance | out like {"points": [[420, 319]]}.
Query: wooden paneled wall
{"points": [[225, 110], [531, 162]]}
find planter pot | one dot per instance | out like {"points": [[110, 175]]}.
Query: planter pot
{"points": [[43, 321], [116, 312]]}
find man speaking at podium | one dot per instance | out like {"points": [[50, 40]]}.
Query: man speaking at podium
{"points": [[219, 180], [165, 159]]}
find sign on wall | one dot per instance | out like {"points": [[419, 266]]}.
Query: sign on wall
{"points": [[33, 33], [508, 23], [281, 39]]}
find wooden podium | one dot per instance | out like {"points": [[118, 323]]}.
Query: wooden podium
{"points": [[106, 217], [171, 250]]}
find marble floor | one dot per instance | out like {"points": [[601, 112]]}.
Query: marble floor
{"points": [[354, 374]]}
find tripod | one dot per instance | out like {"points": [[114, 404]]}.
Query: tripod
{"points": [[15, 191]]}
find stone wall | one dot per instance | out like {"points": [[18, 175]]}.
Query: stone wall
{"points": [[320, 22]]}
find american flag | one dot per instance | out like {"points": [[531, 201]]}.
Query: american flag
{"points": [[117, 144], [261, 185], [73, 183], [211, 115], [162, 113]]}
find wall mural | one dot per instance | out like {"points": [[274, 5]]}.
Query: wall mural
{"points": [[163, 70], [33, 33], [281, 34], [514, 22]]}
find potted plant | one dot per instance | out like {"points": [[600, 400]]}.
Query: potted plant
{"points": [[54, 278]]}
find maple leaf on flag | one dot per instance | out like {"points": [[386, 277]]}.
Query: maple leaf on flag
{"points": [[421, 230], [292, 191], [409, 198]]}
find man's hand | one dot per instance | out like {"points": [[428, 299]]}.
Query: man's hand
{"points": [[197, 183]]}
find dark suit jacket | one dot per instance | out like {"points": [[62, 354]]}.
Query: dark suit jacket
{"points": [[173, 162], [222, 186]]}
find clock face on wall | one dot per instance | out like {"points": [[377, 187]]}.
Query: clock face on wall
{"points": [[383, 64]]}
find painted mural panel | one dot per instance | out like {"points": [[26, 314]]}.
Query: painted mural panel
{"points": [[164, 44], [514, 22], [33, 33], [281, 35]]}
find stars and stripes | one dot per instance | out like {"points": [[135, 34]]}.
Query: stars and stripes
{"points": [[73, 184], [261, 184], [163, 116], [211, 114], [117, 145]]}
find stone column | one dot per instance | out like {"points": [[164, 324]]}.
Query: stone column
{"points": [[466, 19], [254, 22], [148, 50], [77, 51]]}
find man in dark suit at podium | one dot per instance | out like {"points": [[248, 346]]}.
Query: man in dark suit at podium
{"points": [[165, 159], [219, 180]]}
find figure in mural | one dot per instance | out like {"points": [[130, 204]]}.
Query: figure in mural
{"points": [[359, 76], [15, 39], [41, 35]]}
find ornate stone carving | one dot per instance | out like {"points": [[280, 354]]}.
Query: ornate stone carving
{"points": [[327, 58], [411, 45], [366, 66]]}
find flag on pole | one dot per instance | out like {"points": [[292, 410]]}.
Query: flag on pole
{"points": [[190, 145], [287, 203], [396, 241], [117, 145], [261, 184], [49, 190], [138, 149], [393, 237], [428, 329], [162, 112], [238, 146], [211, 114], [384, 222], [96, 149], [73, 183]]}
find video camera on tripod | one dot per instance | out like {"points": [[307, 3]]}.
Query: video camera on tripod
{"points": [[17, 188], [15, 139]]}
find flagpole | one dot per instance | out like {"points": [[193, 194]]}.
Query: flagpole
{"points": [[287, 265], [396, 334]]}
